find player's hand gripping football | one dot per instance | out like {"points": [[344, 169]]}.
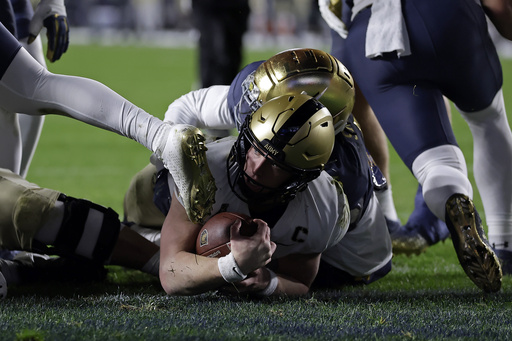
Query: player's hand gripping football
{"points": [[52, 15], [252, 252]]}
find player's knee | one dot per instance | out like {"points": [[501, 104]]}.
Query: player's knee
{"points": [[86, 230], [24, 211]]}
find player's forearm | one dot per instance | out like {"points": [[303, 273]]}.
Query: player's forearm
{"points": [[189, 274], [182, 272]]}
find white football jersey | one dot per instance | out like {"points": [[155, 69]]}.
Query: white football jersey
{"points": [[316, 219]]}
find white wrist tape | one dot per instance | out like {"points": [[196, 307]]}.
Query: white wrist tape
{"points": [[229, 269], [272, 285]]}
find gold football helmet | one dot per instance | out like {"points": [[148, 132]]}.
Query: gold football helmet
{"points": [[309, 71], [294, 132]]}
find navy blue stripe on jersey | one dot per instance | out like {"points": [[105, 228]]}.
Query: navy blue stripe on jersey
{"points": [[9, 47]]}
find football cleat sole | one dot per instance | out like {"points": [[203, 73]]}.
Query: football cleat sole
{"points": [[189, 169], [473, 250]]}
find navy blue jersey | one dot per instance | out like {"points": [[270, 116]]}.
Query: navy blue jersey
{"points": [[349, 161], [9, 46], [452, 54], [350, 164]]}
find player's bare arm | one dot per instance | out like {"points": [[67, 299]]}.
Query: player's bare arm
{"points": [[182, 272]]}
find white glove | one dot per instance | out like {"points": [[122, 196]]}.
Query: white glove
{"points": [[331, 18]]}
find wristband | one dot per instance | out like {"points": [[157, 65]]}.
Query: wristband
{"points": [[229, 269], [272, 285]]}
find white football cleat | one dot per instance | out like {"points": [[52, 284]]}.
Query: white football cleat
{"points": [[181, 148]]}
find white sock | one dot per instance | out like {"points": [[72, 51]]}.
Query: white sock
{"points": [[442, 172], [387, 203], [492, 148]]}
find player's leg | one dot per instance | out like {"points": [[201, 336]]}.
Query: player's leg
{"points": [[474, 62], [409, 238], [33, 218], [10, 141], [30, 128], [423, 228], [376, 142], [30, 125], [15, 153], [492, 149], [27, 87], [417, 123]]}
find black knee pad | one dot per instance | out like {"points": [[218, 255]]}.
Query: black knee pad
{"points": [[96, 235]]}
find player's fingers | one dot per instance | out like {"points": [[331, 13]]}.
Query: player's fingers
{"points": [[235, 228], [273, 247], [263, 229]]}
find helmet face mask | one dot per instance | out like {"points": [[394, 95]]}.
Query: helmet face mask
{"points": [[313, 72], [295, 133]]}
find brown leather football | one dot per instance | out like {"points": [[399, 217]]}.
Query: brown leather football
{"points": [[213, 239]]}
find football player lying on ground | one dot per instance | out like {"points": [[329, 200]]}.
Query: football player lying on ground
{"points": [[41, 92], [364, 254], [314, 72], [486, 276], [26, 86], [272, 172], [271, 187]]}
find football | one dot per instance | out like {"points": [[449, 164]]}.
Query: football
{"points": [[213, 239]]}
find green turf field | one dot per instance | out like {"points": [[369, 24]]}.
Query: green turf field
{"points": [[424, 297]]}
